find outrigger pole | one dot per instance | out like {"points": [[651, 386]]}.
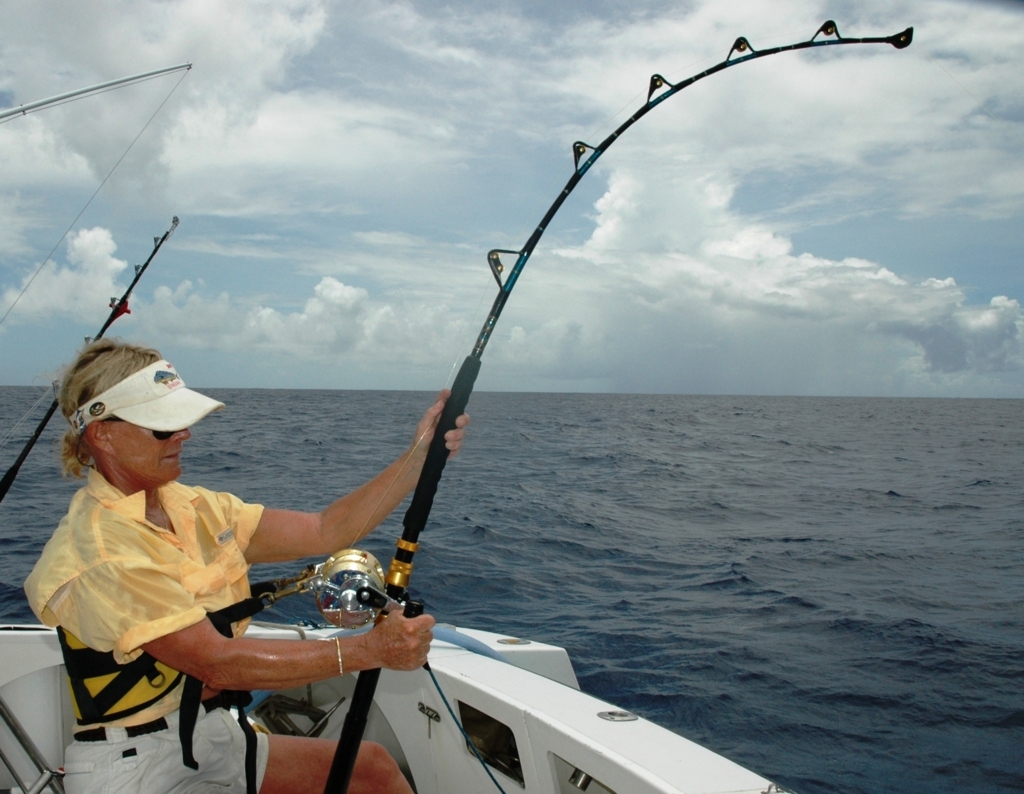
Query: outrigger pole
{"points": [[118, 306], [415, 519], [22, 110]]}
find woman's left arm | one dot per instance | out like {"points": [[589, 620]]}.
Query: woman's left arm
{"points": [[291, 535]]}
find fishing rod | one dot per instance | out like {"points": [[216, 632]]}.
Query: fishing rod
{"points": [[118, 307], [350, 587], [31, 107], [659, 89]]}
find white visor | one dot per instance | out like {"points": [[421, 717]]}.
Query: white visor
{"points": [[154, 398]]}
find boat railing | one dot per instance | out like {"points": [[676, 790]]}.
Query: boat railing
{"points": [[47, 777]]}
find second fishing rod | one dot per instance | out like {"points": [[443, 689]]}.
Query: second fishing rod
{"points": [[118, 307]]}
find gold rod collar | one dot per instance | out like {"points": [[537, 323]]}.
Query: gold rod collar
{"points": [[398, 573]]}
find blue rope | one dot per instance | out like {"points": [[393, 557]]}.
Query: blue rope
{"points": [[463, 730]]}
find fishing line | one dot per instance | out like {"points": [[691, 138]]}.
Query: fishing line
{"points": [[981, 104], [20, 422], [398, 475], [462, 730], [555, 181], [519, 232], [469, 332], [98, 189]]}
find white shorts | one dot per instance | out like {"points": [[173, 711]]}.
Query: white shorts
{"points": [[151, 764]]}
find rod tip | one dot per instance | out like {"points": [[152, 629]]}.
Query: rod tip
{"points": [[901, 40]]}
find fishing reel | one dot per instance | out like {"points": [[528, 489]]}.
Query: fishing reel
{"points": [[348, 588]]}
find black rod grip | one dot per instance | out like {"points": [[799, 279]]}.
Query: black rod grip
{"points": [[352, 733], [415, 520], [437, 456]]}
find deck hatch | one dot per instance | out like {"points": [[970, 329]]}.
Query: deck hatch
{"points": [[494, 741]]}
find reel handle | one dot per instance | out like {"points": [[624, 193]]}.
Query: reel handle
{"points": [[413, 609]]}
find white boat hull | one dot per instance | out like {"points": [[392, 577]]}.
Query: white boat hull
{"points": [[556, 728]]}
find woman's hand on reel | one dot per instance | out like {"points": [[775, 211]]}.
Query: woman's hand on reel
{"points": [[399, 643]]}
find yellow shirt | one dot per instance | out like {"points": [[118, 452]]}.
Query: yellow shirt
{"points": [[117, 581]]}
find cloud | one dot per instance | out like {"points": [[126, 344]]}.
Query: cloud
{"points": [[657, 292], [341, 169], [20, 217], [849, 122], [956, 338], [284, 121], [264, 38], [89, 279], [339, 324], [733, 286]]}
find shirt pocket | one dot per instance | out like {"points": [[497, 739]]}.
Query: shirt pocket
{"points": [[203, 580], [232, 561], [219, 576]]}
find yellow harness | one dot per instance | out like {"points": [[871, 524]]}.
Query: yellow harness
{"points": [[103, 690]]}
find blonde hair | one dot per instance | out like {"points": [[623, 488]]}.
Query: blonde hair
{"points": [[98, 366]]}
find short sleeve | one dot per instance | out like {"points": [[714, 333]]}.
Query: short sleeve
{"points": [[128, 606], [249, 516]]}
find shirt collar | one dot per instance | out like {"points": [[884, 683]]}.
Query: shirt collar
{"points": [[134, 507]]}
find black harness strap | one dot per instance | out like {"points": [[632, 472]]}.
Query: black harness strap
{"points": [[191, 697]]}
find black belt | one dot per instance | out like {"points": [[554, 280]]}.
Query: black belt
{"points": [[100, 734], [160, 724]]}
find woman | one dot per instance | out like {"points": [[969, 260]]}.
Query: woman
{"points": [[140, 562]]}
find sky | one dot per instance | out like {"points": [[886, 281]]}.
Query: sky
{"points": [[841, 221]]}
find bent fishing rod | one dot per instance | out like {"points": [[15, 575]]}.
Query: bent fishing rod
{"points": [[659, 89], [118, 307]]}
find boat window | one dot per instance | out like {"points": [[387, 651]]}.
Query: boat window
{"points": [[494, 741]]}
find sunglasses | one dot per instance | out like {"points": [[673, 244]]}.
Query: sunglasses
{"points": [[159, 435]]}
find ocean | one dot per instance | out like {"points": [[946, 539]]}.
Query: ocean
{"points": [[828, 591]]}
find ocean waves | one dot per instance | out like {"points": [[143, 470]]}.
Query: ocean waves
{"points": [[827, 591]]}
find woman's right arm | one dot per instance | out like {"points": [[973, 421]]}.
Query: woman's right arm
{"points": [[398, 643]]}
